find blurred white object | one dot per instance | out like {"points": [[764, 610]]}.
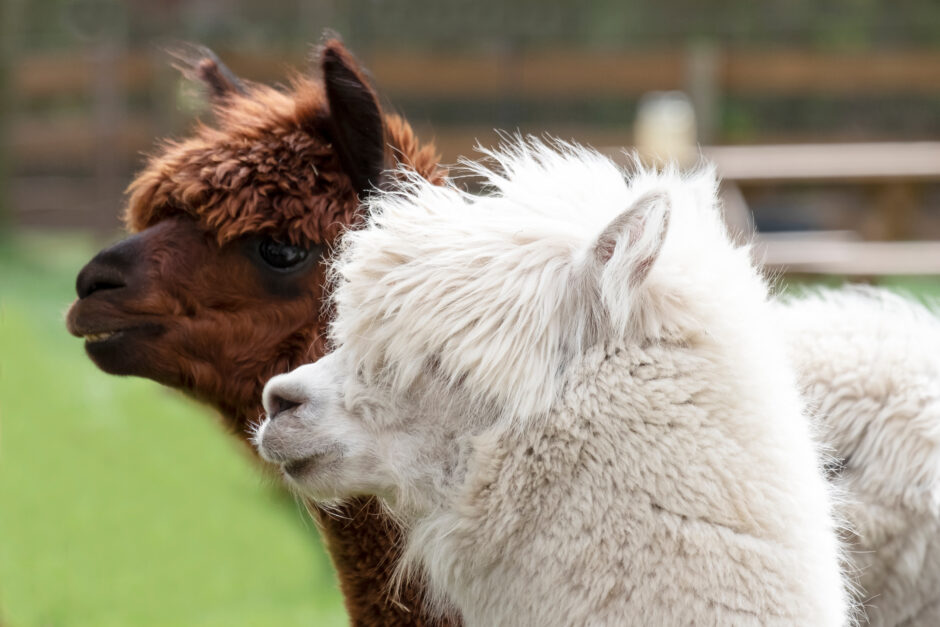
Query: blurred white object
{"points": [[665, 129]]}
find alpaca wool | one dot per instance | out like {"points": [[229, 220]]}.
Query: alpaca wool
{"points": [[574, 396], [869, 363], [263, 167]]}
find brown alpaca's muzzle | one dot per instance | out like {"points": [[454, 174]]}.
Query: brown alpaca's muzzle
{"points": [[104, 315]]}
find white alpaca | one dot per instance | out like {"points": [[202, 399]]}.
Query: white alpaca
{"points": [[574, 395], [870, 364]]}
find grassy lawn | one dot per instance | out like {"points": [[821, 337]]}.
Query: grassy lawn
{"points": [[122, 502]]}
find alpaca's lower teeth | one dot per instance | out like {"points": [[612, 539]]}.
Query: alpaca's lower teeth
{"points": [[98, 337]]}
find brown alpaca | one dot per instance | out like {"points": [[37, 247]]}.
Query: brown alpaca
{"points": [[222, 286]]}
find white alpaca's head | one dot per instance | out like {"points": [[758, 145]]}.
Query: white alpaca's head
{"points": [[455, 312]]}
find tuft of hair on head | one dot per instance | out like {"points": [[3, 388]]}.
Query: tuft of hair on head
{"points": [[199, 63]]}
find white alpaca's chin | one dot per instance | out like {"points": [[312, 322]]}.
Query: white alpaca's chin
{"points": [[319, 487]]}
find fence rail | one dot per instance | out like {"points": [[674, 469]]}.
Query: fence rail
{"points": [[535, 74], [80, 121], [80, 78], [810, 255]]}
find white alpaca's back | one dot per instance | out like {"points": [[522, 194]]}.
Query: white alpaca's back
{"points": [[870, 365]]}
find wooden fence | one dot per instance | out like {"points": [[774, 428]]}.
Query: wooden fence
{"points": [[80, 121]]}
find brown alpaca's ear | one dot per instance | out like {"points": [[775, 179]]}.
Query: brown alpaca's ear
{"points": [[201, 64], [355, 117]]}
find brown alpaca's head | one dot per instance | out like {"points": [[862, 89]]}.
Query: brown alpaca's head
{"points": [[222, 285]]}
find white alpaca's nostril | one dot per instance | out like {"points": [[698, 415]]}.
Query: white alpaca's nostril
{"points": [[283, 393], [279, 405]]}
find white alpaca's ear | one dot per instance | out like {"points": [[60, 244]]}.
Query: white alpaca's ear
{"points": [[623, 254], [628, 247]]}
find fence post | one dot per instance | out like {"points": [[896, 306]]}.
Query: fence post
{"points": [[702, 84], [9, 36], [109, 120]]}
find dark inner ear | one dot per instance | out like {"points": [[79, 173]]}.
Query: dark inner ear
{"points": [[355, 118]]}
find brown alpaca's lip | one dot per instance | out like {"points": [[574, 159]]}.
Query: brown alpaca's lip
{"points": [[100, 328], [97, 333], [94, 338], [77, 325], [118, 344], [97, 341], [127, 351]]}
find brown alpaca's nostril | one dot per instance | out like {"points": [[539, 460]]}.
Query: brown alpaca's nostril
{"points": [[97, 277], [111, 268], [281, 405]]}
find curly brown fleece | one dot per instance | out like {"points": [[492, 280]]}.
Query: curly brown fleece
{"points": [[264, 169]]}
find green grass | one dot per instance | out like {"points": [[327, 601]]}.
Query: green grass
{"points": [[925, 289], [122, 502]]}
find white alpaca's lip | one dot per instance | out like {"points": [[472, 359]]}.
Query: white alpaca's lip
{"points": [[298, 468]]}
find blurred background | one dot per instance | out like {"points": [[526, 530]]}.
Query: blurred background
{"points": [[122, 503]]}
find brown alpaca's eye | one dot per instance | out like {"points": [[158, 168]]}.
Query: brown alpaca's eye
{"points": [[281, 256]]}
